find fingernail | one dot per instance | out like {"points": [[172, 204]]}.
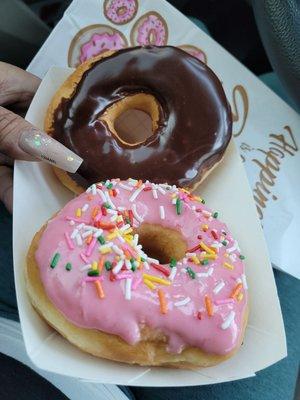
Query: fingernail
{"points": [[45, 148]]}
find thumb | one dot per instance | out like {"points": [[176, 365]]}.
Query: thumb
{"points": [[21, 140]]}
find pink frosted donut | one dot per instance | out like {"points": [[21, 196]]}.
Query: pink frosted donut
{"points": [[92, 41], [195, 52], [96, 264], [120, 11], [150, 29], [99, 43]]}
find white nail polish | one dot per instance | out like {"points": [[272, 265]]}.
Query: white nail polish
{"points": [[45, 148]]}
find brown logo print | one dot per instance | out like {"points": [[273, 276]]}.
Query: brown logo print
{"points": [[280, 146]]}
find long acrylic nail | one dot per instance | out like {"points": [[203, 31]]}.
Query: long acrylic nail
{"points": [[45, 148]]}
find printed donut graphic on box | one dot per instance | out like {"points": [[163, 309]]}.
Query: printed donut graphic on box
{"points": [[92, 41], [194, 51], [149, 29], [120, 11]]}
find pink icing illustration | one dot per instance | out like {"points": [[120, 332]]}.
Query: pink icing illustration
{"points": [[96, 272], [93, 40], [198, 54], [194, 51], [100, 43], [120, 11], [150, 29]]}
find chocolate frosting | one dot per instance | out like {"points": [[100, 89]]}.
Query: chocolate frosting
{"points": [[194, 126]]}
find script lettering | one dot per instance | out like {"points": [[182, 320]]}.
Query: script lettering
{"points": [[281, 145]]}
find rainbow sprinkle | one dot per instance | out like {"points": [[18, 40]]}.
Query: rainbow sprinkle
{"points": [[55, 260], [191, 272], [68, 266], [178, 206], [162, 301]]}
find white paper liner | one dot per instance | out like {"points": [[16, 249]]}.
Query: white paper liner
{"points": [[38, 195]]}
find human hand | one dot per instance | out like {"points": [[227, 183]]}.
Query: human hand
{"points": [[18, 138]]}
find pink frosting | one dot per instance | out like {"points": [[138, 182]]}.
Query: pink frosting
{"points": [[152, 31], [99, 43], [129, 303], [198, 54], [121, 11]]}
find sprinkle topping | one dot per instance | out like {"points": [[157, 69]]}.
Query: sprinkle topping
{"points": [[106, 274], [162, 301], [182, 302], [55, 259], [228, 321]]}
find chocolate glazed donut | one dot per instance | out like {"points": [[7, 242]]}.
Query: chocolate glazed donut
{"points": [[191, 118]]}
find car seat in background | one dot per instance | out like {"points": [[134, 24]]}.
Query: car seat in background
{"points": [[21, 33], [278, 22]]}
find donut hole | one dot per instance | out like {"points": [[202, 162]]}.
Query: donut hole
{"points": [[133, 119], [134, 126], [161, 243]]}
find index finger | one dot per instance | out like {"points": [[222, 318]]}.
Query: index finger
{"points": [[16, 85]]}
